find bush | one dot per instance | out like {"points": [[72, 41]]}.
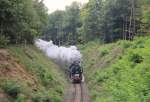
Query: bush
{"points": [[21, 98], [141, 44], [147, 98], [101, 76], [3, 41], [47, 99], [47, 79], [41, 97], [57, 99], [136, 58], [37, 97], [11, 88], [104, 52], [127, 44]]}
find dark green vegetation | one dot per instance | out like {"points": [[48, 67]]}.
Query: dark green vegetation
{"points": [[120, 73], [105, 20], [21, 20], [34, 78]]}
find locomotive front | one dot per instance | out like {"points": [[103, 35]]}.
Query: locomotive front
{"points": [[75, 73]]}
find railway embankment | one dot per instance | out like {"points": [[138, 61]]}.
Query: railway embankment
{"points": [[27, 75], [117, 72]]}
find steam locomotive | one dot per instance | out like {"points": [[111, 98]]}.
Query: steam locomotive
{"points": [[76, 72]]}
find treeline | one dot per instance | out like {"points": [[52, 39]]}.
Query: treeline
{"points": [[21, 20], [105, 20]]}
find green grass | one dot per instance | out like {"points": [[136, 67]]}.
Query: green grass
{"points": [[120, 75], [49, 78]]}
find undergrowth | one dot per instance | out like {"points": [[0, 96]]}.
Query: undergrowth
{"points": [[125, 78], [49, 79]]}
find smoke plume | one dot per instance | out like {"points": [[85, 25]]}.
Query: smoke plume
{"points": [[63, 56]]}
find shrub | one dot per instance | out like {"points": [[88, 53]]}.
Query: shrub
{"points": [[101, 76], [47, 99], [57, 99], [11, 88], [37, 97], [3, 41], [126, 44], [147, 98], [92, 62], [47, 79], [140, 44], [104, 52], [21, 98], [136, 58], [41, 97]]}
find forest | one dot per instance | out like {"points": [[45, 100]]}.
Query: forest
{"points": [[21, 20], [103, 20]]}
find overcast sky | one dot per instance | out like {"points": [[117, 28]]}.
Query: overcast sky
{"points": [[53, 5]]}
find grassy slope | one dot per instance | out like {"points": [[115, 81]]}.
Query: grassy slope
{"points": [[49, 80], [118, 72]]}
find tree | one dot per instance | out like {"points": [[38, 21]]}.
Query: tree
{"points": [[72, 19], [115, 14], [91, 15], [63, 25], [22, 20], [106, 20], [55, 28], [145, 17]]}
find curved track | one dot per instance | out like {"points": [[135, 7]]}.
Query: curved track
{"points": [[77, 93]]}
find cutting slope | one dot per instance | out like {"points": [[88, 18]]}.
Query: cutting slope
{"points": [[118, 72], [28, 75]]}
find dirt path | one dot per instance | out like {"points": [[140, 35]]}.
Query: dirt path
{"points": [[77, 93]]}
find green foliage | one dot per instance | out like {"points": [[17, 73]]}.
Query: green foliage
{"points": [[11, 88], [38, 97], [50, 81], [104, 52], [98, 19], [46, 97], [122, 79], [21, 98], [136, 58], [100, 77], [3, 41], [22, 20], [125, 44], [91, 16], [62, 28], [145, 15]]}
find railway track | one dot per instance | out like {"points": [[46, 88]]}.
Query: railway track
{"points": [[77, 93]]}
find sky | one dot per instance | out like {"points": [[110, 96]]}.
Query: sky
{"points": [[54, 5]]}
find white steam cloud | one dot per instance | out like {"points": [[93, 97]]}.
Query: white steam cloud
{"points": [[61, 55]]}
